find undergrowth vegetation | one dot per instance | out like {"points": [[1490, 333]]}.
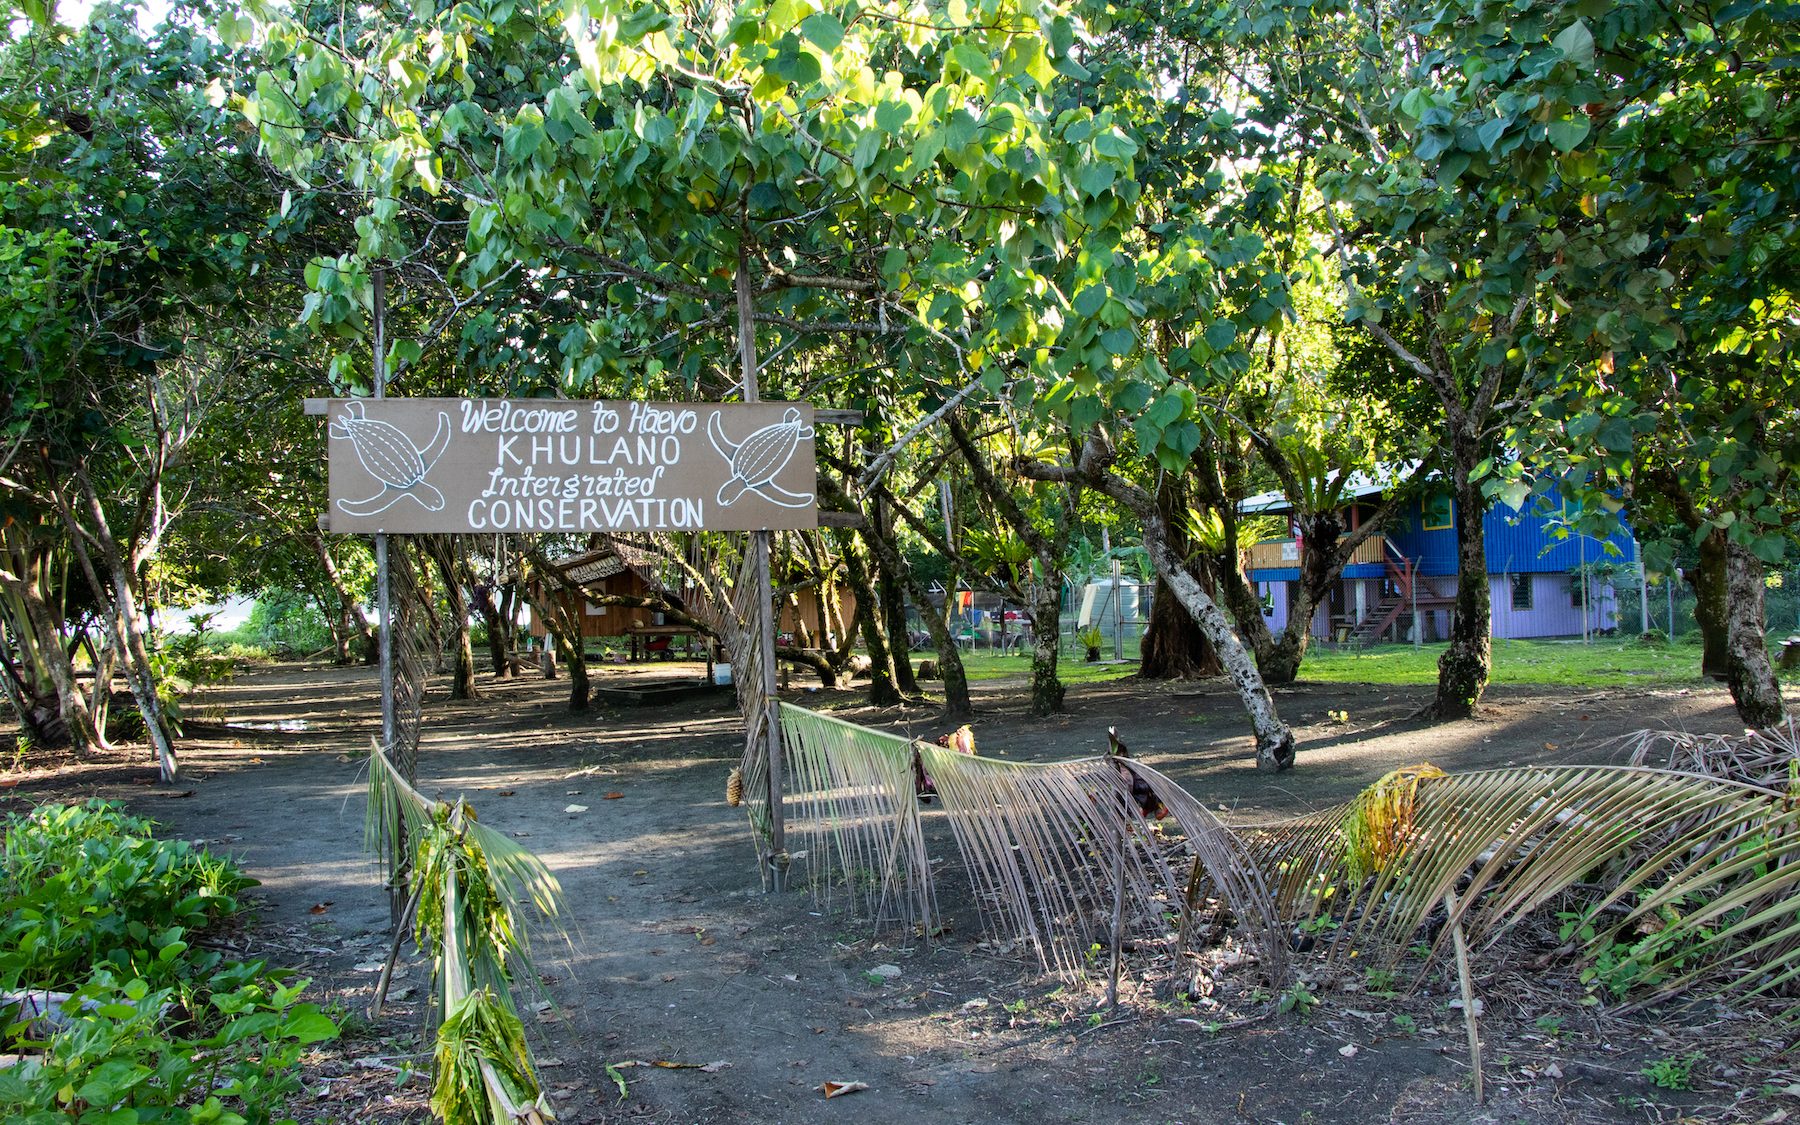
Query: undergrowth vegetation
{"points": [[117, 1010]]}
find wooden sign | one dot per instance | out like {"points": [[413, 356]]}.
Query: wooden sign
{"points": [[411, 465]]}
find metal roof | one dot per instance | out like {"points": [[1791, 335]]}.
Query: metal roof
{"points": [[1359, 485]]}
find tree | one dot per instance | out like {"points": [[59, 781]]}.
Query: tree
{"points": [[1094, 468], [136, 215], [1669, 186], [1174, 646], [1033, 571]]}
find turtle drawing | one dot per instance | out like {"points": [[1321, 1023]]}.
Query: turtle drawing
{"points": [[758, 459], [392, 458]]}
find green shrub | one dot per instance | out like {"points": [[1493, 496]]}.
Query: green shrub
{"points": [[87, 885], [154, 1029], [116, 1060]]}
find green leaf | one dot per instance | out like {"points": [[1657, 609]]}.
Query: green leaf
{"points": [[1490, 132], [823, 30], [1090, 300], [1114, 144], [973, 61], [1220, 334], [306, 1024], [892, 116], [1771, 549], [1569, 132], [959, 130], [1118, 341], [1096, 178], [1616, 435], [1576, 43]]}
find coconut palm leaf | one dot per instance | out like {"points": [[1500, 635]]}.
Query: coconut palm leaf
{"points": [[1047, 847], [1696, 876], [471, 887], [1770, 758], [854, 815]]}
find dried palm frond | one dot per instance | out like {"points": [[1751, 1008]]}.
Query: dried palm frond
{"points": [[1049, 848], [1379, 823], [1768, 758], [1710, 868], [855, 815]]}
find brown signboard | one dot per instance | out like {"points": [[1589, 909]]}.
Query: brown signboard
{"points": [[410, 465]]}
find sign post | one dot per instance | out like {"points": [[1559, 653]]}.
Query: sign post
{"points": [[761, 543], [490, 466]]}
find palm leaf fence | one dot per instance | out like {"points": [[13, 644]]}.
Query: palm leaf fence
{"points": [[469, 888], [1672, 880], [1060, 856]]}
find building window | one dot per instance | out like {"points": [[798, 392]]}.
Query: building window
{"points": [[1521, 591], [1437, 513], [1577, 595]]}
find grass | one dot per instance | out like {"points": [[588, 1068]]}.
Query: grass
{"points": [[1070, 669], [1603, 663]]}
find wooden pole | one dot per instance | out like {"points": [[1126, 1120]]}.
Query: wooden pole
{"points": [[384, 602], [1465, 982], [384, 584], [760, 542]]}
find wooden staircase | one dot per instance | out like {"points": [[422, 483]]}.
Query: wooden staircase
{"points": [[1403, 573]]}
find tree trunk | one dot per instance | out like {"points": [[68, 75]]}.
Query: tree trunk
{"points": [[1239, 597], [497, 641], [1712, 605], [888, 565], [957, 704], [99, 700], [1748, 671], [1274, 741], [40, 717], [1047, 688], [1321, 562], [1233, 587], [882, 690], [1046, 622], [1464, 668], [350, 607], [67, 717], [1174, 648], [580, 686], [337, 625], [119, 609], [446, 550]]}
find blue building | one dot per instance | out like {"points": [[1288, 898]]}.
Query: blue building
{"points": [[1534, 571]]}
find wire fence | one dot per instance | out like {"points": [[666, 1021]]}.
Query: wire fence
{"points": [[1667, 607], [1112, 617]]}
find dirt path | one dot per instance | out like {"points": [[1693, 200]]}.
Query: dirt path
{"points": [[676, 956]]}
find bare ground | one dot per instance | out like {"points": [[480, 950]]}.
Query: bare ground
{"points": [[676, 956]]}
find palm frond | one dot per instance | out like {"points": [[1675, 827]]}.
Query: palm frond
{"points": [[472, 888], [855, 814], [1770, 758], [1710, 868], [1047, 847]]}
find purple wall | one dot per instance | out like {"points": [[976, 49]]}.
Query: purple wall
{"points": [[1550, 614]]}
